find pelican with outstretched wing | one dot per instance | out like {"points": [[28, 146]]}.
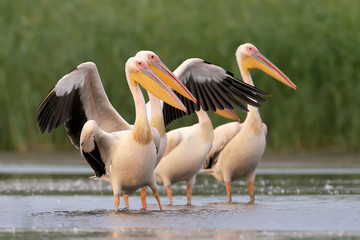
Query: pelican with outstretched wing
{"points": [[216, 90], [123, 154]]}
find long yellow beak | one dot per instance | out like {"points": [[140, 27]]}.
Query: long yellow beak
{"points": [[152, 83], [227, 113], [259, 61], [170, 79]]}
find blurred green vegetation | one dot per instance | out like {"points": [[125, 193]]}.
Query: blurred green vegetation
{"points": [[316, 43]]}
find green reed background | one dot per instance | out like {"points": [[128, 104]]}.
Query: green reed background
{"points": [[316, 43]]}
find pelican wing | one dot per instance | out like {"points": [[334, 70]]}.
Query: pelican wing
{"points": [[222, 135], [213, 87], [77, 97], [95, 144], [94, 160]]}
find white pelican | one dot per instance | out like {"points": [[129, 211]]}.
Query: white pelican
{"points": [[128, 156], [238, 148], [216, 90], [79, 96], [155, 108], [185, 154]]}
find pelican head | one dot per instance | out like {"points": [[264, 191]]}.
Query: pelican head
{"points": [[138, 72], [250, 57], [165, 74]]}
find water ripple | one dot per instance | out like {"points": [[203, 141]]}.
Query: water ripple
{"points": [[272, 184]]}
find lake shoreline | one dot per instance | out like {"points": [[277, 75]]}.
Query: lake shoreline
{"points": [[270, 160]]}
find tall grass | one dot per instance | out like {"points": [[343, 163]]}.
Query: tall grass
{"points": [[316, 43]]}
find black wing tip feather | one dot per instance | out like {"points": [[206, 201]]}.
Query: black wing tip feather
{"points": [[67, 109], [94, 160], [43, 107], [75, 119], [43, 112], [171, 113], [230, 74], [245, 85]]}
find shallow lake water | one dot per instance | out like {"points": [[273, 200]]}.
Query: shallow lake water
{"points": [[56, 202]]}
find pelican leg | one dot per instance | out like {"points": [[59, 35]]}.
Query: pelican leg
{"points": [[143, 198], [188, 194], [169, 193], [250, 179], [228, 191], [156, 195], [126, 200], [251, 192], [117, 201]]}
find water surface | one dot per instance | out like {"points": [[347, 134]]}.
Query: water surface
{"points": [[290, 203]]}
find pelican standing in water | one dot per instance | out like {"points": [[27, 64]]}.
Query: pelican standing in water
{"points": [[155, 108], [238, 148], [129, 156], [216, 90], [185, 155], [79, 96]]}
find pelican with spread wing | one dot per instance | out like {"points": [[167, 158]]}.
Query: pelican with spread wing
{"points": [[124, 155], [216, 90]]}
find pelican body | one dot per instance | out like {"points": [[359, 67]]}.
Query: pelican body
{"points": [[238, 148], [182, 160], [216, 90], [154, 108], [121, 166], [129, 155], [122, 154]]}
